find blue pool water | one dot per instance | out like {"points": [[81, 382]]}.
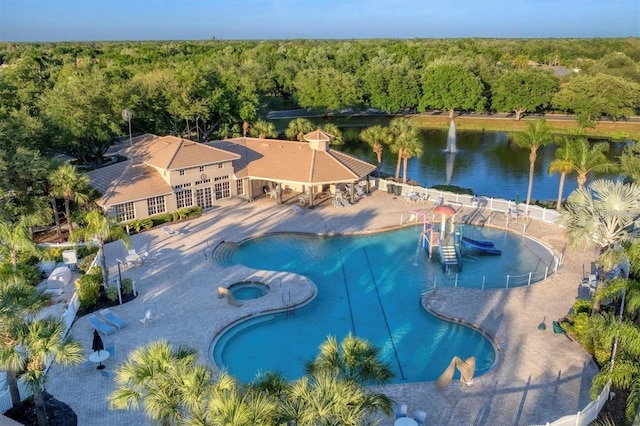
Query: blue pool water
{"points": [[370, 286]]}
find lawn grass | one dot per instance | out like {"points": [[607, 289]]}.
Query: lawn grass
{"points": [[607, 129]]}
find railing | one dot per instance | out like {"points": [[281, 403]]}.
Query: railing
{"points": [[587, 414], [474, 201]]}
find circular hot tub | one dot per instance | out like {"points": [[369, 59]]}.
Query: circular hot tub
{"points": [[247, 290]]}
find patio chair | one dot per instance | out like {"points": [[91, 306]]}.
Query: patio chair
{"points": [[360, 192], [345, 202], [438, 202], [102, 327], [420, 416], [401, 411], [112, 318], [337, 203]]}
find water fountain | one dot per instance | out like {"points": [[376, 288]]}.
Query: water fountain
{"points": [[451, 159], [451, 138]]}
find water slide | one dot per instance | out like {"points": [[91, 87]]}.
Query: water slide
{"points": [[481, 246]]}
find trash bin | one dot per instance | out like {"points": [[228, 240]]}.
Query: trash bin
{"points": [[390, 187], [397, 189]]}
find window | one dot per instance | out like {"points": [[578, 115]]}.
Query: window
{"points": [[240, 187], [184, 185], [202, 168], [200, 182], [220, 165], [124, 212], [155, 205], [184, 198], [181, 172], [222, 190]]}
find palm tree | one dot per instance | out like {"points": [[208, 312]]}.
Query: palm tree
{"points": [[297, 128], [354, 359], [165, 380], [231, 403], [326, 399], [333, 130], [17, 302], [623, 369], [604, 213], [405, 140], [263, 129], [70, 185], [589, 158], [376, 137], [42, 341], [537, 135], [101, 228], [561, 164], [14, 239]]}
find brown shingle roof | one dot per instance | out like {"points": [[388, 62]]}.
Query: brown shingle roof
{"points": [[128, 181], [318, 135], [288, 161]]}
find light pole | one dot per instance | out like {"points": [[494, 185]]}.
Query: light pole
{"points": [[118, 283], [127, 116]]}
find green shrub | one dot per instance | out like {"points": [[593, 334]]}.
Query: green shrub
{"points": [[582, 306], [88, 292], [126, 286], [51, 254], [161, 218], [30, 274], [112, 293], [454, 189], [88, 250], [85, 263]]}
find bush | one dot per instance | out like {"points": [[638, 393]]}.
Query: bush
{"points": [[29, 273], [138, 225], [112, 293], [582, 306], [187, 212], [88, 291], [51, 254], [85, 263], [86, 251], [126, 286], [161, 218], [454, 189]]}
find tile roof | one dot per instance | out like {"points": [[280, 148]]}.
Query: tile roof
{"points": [[173, 153], [288, 161], [128, 181], [318, 135]]}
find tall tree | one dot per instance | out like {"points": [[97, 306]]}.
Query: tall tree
{"points": [[353, 359], [376, 137], [14, 239], [589, 158], [71, 185], [297, 128], [164, 380], [561, 164], [630, 162], [538, 134], [101, 228], [451, 86], [592, 97], [522, 91], [43, 341], [326, 89], [18, 301], [406, 140], [604, 213]]}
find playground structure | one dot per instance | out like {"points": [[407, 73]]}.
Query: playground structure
{"points": [[447, 240], [444, 239]]}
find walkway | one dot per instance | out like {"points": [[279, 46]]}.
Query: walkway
{"points": [[540, 376]]}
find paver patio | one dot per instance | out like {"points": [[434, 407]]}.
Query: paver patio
{"points": [[539, 376]]}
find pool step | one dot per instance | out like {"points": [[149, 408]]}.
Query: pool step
{"points": [[223, 254]]}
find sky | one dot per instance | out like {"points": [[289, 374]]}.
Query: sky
{"points": [[97, 20]]}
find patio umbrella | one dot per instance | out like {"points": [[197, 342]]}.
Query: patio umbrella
{"points": [[97, 344]]}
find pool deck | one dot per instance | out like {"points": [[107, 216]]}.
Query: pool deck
{"points": [[539, 376]]}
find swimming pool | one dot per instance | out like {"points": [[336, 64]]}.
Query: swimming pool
{"points": [[371, 286]]}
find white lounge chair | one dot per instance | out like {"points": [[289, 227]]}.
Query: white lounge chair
{"points": [[401, 411], [147, 317], [112, 318], [420, 416]]}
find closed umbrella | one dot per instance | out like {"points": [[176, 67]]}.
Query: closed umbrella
{"points": [[97, 344]]}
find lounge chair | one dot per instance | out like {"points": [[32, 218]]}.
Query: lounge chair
{"points": [[420, 416], [360, 192], [401, 411], [345, 202], [438, 202], [112, 318], [102, 327], [337, 203], [169, 231]]}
